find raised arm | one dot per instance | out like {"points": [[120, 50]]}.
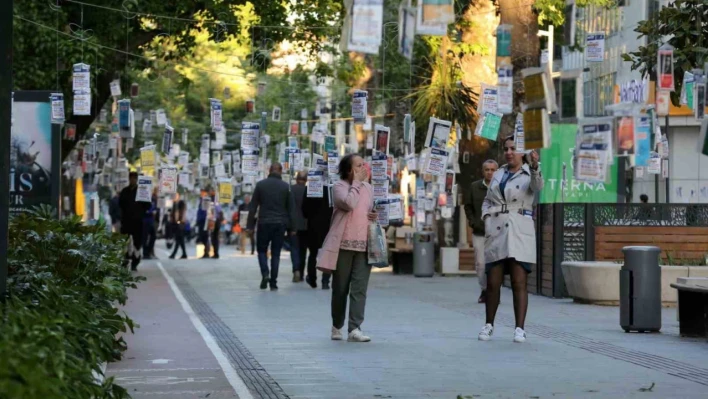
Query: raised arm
{"points": [[346, 197], [536, 183]]}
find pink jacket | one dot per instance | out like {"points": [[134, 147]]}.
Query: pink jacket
{"points": [[346, 197]]}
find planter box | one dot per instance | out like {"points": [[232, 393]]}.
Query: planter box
{"points": [[598, 282]]}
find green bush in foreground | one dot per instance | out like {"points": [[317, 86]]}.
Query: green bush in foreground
{"points": [[58, 322]]}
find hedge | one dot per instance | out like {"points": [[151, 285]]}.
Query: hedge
{"points": [[58, 322]]}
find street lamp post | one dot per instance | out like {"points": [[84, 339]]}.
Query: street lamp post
{"points": [[5, 128]]}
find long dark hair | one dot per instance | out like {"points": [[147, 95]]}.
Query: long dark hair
{"points": [[345, 166]]}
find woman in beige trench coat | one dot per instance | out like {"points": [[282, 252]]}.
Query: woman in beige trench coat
{"points": [[510, 235]]}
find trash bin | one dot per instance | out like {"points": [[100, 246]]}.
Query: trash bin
{"points": [[640, 289], [423, 254]]}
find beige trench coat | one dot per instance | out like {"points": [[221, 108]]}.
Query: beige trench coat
{"points": [[509, 229]]}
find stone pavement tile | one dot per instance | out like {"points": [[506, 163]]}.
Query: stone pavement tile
{"points": [[425, 344], [166, 356]]}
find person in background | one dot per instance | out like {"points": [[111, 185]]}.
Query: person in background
{"points": [[318, 213], [114, 212], [473, 211], [273, 202], [132, 213], [251, 237], [149, 229], [510, 241], [218, 220], [203, 223], [298, 246], [178, 220], [344, 249], [644, 199]]}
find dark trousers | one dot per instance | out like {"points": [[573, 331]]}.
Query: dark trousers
{"points": [[179, 242], [273, 234], [136, 232], [215, 241], [149, 235], [314, 245], [298, 251]]}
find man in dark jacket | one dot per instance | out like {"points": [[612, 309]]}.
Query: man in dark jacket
{"points": [[473, 211], [298, 242], [132, 213], [319, 216], [274, 204]]}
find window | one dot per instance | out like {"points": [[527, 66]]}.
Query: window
{"points": [[598, 93]]}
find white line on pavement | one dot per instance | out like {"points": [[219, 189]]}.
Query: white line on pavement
{"points": [[231, 374]]}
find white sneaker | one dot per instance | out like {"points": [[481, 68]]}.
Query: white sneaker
{"points": [[486, 333], [336, 334], [519, 335], [358, 336]]}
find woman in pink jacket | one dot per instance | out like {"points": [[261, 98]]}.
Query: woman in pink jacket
{"points": [[344, 251]]}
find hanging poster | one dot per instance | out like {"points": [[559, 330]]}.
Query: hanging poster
{"points": [[34, 153], [359, 106], [381, 209], [250, 106], [57, 101], [625, 135], [81, 78], [383, 134], [275, 117], [665, 69], [438, 133], [504, 40], [161, 117], [537, 129], [249, 162], [115, 88], [366, 26], [395, 209], [505, 86], [330, 143], [82, 104], [294, 126], [436, 162], [642, 140], [379, 165], [303, 128], [226, 191], [687, 89], [519, 138], [434, 16], [183, 158], [654, 166], [144, 192], [148, 159], [219, 169], [406, 30], [489, 99], [216, 114], [595, 47], [147, 126], [249, 135], [168, 181], [315, 181]]}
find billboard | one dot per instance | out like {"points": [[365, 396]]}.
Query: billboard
{"points": [[552, 159], [35, 152]]}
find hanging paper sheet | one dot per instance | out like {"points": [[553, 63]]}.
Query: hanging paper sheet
{"points": [[437, 162], [249, 135], [359, 107], [491, 125], [366, 24], [490, 99], [505, 86], [82, 104], [625, 135], [115, 88], [148, 157], [57, 100], [504, 40], [654, 166], [665, 68], [381, 209], [275, 117], [380, 188], [537, 125], [438, 133], [167, 139], [595, 47], [379, 166], [168, 180], [216, 114], [382, 136], [519, 138], [161, 117], [81, 78], [249, 162], [315, 184], [144, 191], [395, 209], [434, 16], [226, 191]]}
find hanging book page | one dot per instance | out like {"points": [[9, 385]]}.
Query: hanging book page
{"points": [[82, 104], [333, 166], [168, 181], [57, 100], [436, 162], [395, 209], [148, 159], [161, 117], [595, 47], [226, 191], [81, 78], [249, 162], [665, 70], [491, 125], [489, 99], [359, 112], [504, 40], [505, 85], [438, 133], [539, 90], [382, 138], [519, 139], [381, 209], [167, 139], [434, 16], [380, 188], [537, 127], [654, 166]]}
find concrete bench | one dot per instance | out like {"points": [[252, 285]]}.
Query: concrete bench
{"points": [[693, 307]]}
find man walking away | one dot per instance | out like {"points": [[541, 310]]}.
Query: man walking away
{"points": [[202, 226], [319, 216], [273, 202], [218, 217], [132, 213], [298, 246], [114, 212], [473, 210]]}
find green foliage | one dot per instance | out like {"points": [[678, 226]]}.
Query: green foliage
{"points": [[679, 23], [59, 323]]}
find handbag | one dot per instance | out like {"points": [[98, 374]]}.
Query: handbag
{"points": [[377, 247]]}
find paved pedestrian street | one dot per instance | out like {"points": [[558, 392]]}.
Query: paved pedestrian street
{"points": [[424, 342]]}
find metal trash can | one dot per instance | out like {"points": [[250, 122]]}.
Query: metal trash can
{"points": [[640, 289], [423, 254]]}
